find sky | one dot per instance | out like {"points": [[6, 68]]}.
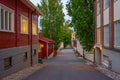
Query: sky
{"points": [[64, 9]]}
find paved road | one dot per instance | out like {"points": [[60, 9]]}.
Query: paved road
{"points": [[67, 67]]}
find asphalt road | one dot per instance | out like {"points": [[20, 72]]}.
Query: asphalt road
{"points": [[67, 67]]}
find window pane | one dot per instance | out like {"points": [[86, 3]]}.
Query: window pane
{"points": [[34, 28], [7, 62], [6, 20], [98, 35], [106, 4], [2, 19], [106, 35], [25, 56], [24, 25], [117, 33], [10, 28], [98, 7]]}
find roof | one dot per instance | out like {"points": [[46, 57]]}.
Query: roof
{"points": [[29, 4], [47, 40]]}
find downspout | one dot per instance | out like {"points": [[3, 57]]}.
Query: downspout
{"points": [[94, 62], [31, 51], [16, 23]]}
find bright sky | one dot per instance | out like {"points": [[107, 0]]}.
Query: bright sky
{"points": [[64, 9]]}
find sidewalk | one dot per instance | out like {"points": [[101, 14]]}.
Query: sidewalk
{"points": [[25, 72], [109, 73], [104, 70]]}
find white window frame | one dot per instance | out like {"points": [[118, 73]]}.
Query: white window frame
{"points": [[115, 42], [21, 24], [5, 8]]}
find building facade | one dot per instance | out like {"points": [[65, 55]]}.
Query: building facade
{"points": [[107, 33], [18, 35]]}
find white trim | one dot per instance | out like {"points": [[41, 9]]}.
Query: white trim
{"points": [[29, 4], [12, 23], [5, 8]]}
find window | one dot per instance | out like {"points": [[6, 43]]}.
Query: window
{"points": [[98, 35], [98, 7], [25, 56], [117, 34], [106, 4], [34, 28], [34, 52], [106, 35], [6, 19], [7, 62], [40, 47], [24, 25]]}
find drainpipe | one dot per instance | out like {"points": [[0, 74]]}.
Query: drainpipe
{"points": [[94, 62], [31, 51], [15, 29]]}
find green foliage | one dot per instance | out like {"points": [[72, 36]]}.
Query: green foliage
{"points": [[82, 13], [65, 34], [52, 19]]}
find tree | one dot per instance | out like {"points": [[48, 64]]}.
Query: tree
{"points": [[82, 13], [52, 19], [65, 34]]}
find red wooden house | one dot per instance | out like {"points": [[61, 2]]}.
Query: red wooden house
{"points": [[47, 47], [18, 35]]}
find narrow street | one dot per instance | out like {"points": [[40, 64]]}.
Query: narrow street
{"points": [[67, 67]]}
